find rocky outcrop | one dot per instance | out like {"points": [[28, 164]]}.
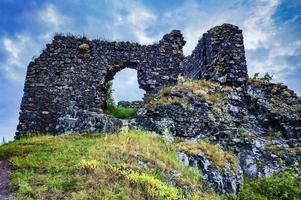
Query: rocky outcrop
{"points": [[260, 125]]}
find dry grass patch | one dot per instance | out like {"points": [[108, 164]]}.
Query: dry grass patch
{"points": [[212, 152], [206, 90]]}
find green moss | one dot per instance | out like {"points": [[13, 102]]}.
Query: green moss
{"points": [[275, 89], [252, 106], [260, 165], [284, 186], [214, 153], [273, 148], [84, 47], [275, 134], [133, 165], [257, 82]]}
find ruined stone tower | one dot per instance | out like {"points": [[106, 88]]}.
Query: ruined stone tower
{"points": [[66, 86]]}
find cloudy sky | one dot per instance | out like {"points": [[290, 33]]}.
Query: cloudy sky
{"points": [[271, 28]]}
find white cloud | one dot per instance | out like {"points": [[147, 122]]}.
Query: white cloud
{"points": [[260, 31], [19, 51], [51, 17], [21, 48], [125, 86], [136, 20], [276, 61], [259, 26]]}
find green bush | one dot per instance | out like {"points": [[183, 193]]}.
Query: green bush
{"points": [[282, 186], [121, 112]]}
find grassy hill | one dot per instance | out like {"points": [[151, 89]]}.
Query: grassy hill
{"points": [[132, 165], [129, 165]]}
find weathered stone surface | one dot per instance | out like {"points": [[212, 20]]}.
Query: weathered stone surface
{"points": [[260, 125], [67, 84], [71, 75], [219, 56]]}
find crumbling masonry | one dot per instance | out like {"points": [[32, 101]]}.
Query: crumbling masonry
{"points": [[66, 86]]}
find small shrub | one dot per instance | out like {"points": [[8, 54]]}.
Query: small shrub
{"points": [[284, 186]]}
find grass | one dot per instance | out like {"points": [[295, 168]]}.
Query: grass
{"points": [[121, 112], [165, 100], [212, 152], [203, 89], [133, 165]]}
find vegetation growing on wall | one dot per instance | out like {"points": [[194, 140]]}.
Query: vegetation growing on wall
{"points": [[120, 112], [203, 89], [214, 153]]}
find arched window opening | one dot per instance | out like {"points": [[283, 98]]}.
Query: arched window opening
{"points": [[126, 94], [126, 87]]}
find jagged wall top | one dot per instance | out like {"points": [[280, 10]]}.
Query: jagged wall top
{"points": [[219, 56], [66, 86]]}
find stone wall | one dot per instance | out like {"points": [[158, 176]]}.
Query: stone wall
{"points": [[219, 56], [66, 86]]}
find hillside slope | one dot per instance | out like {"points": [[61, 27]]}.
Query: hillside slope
{"points": [[135, 165], [129, 165]]}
